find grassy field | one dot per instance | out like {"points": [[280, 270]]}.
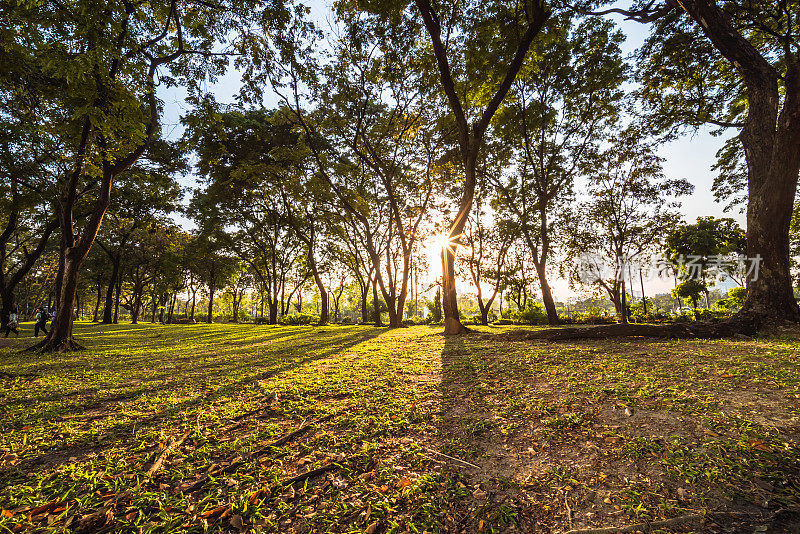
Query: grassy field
{"points": [[197, 428]]}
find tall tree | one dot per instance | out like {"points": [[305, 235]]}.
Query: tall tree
{"points": [[145, 192], [247, 159], [476, 71], [736, 65], [567, 95], [95, 69], [629, 211]]}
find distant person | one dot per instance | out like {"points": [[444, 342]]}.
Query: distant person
{"points": [[41, 321], [12, 323]]}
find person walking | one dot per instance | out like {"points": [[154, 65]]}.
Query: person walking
{"points": [[12, 325], [41, 321]]}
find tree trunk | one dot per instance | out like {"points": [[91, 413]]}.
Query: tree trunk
{"points": [[770, 138], [364, 314], [210, 318], [452, 323], [376, 308], [116, 298], [60, 336], [5, 312], [137, 305], [323, 295], [770, 294], [273, 310], [108, 309], [97, 302], [547, 295]]}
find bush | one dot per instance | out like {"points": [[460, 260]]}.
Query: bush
{"points": [[416, 320], [594, 315], [534, 314], [297, 319]]}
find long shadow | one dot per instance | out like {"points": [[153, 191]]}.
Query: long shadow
{"points": [[257, 371]]}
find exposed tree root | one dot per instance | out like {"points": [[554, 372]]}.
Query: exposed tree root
{"points": [[58, 346], [646, 527], [738, 325]]}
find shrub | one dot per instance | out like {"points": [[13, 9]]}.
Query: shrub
{"points": [[594, 315], [296, 319], [415, 320], [470, 320]]}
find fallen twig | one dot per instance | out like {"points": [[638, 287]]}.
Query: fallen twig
{"points": [[459, 460], [645, 527], [265, 492], [161, 457]]}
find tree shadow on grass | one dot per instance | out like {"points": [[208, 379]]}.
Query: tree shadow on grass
{"points": [[203, 377], [596, 427]]}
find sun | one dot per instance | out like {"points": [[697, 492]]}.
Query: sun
{"points": [[434, 245]]}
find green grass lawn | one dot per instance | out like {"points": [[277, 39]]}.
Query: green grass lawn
{"points": [[169, 429]]}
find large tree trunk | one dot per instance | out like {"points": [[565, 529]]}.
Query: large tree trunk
{"points": [[770, 139], [770, 294], [60, 336], [273, 310], [452, 321], [137, 306], [5, 311]]}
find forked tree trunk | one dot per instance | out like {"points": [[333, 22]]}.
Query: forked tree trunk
{"points": [[470, 137]]}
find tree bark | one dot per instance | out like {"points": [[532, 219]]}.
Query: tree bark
{"points": [[770, 139], [97, 302]]}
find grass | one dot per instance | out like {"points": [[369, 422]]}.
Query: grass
{"points": [[426, 434]]}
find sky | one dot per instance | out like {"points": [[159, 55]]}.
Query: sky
{"points": [[690, 157]]}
